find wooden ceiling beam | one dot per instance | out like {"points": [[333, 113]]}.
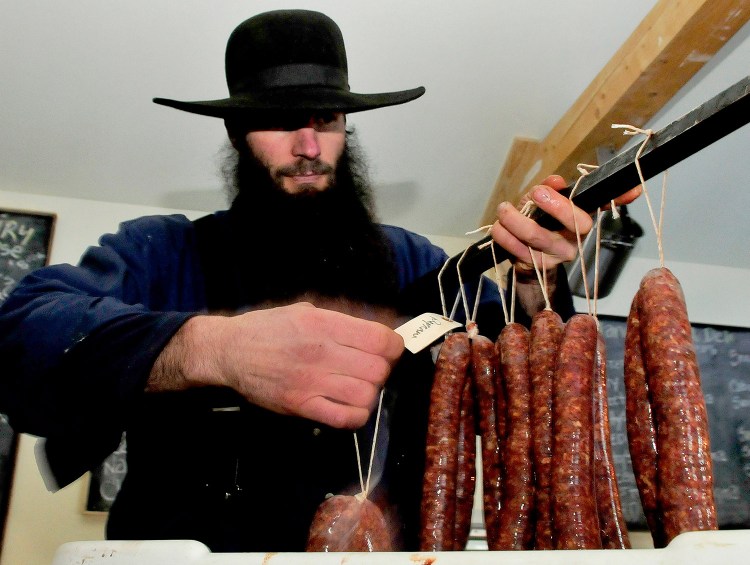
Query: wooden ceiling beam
{"points": [[668, 47]]}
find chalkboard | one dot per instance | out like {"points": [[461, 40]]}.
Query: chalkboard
{"points": [[724, 358], [105, 481], [25, 240]]}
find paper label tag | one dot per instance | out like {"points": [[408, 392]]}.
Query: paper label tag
{"points": [[423, 330]]}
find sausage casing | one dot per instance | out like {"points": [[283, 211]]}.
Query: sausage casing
{"points": [[574, 512], [484, 376], [438, 508], [640, 425], [684, 466], [516, 527], [544, 341], [349, 523], [466, 473]]}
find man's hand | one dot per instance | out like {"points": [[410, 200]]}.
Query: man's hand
{"points": [[298, 360], [516, 233]]}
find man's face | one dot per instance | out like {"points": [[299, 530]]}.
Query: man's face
{"points": [[301, 151]]}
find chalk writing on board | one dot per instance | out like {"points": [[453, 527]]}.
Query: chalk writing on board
{"points": [[25, 239], [106, 480]]}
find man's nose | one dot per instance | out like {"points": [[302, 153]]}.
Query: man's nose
{"points": [[306, 143]]}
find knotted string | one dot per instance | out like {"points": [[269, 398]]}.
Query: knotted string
{"points": [[498, 278], [598, 236], [584, 170], [541, 274], [471, 327], [633, 130]]}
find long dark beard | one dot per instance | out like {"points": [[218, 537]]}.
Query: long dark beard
{"points": [[317, 243]]}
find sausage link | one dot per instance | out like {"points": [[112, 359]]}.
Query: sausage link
{"points": [[484, 376], [438, 509], [349, 523], [466, 474], [544, 341], [612, 527], [640, 424], [516, 528], [684, 470], [574, 514]]}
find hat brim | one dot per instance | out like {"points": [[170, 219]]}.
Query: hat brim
{"points": [[294, 99]]}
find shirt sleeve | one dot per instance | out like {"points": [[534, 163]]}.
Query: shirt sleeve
{"points": [[78, 343]]}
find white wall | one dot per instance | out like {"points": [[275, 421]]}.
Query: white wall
{"points": [[714, 294]]}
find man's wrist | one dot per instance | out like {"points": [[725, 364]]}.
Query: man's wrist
{"points": [[531, 296], [186, 360]]}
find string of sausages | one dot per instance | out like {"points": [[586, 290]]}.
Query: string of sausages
{"points": [[548, 474], [541, 413], [666, 417]]}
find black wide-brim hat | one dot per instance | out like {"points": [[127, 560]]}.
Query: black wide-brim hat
{"points": [[288, 60]]}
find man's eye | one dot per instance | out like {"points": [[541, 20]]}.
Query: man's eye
{"points": [[327, 121], [298, 121], [325, 118]]}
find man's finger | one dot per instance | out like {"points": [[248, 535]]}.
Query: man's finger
{"points": [[364, 335], [561, 208], [341, 416], [350, 391]]}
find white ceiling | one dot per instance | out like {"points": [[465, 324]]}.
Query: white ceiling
{"points": [[77, 119]]}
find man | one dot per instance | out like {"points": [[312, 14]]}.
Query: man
{"points": [[238, 352]]}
